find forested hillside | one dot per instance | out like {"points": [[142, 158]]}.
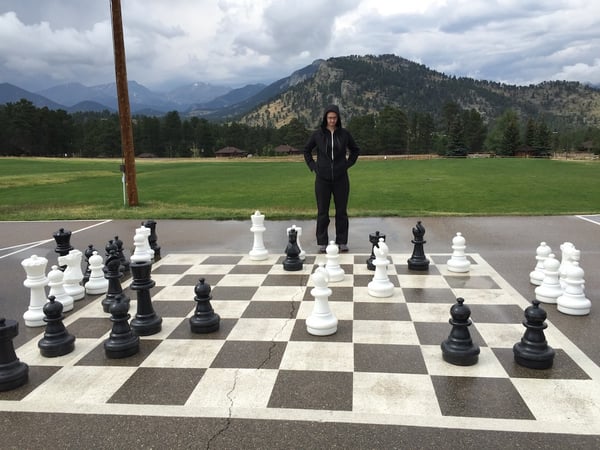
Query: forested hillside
{"points": [[366, 84]]}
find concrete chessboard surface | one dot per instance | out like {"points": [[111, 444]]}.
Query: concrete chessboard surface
{"points": [[507, 244]]}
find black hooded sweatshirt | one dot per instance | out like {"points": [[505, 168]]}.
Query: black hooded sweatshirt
{"points": [[332, 162]]}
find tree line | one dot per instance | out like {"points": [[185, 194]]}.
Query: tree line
{"points": [[26, 130]]}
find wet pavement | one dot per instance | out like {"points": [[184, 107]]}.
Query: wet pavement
{"points": [[507, 243]]}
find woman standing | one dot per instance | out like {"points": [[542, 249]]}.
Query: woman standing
{"points": [[336, 152]]}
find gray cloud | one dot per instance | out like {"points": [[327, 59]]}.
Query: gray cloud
{"points": [[236, 42]]}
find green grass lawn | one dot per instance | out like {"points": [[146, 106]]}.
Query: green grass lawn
{"points": [[45, 189]]}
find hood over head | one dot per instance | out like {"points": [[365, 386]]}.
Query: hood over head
{"points": [[335, 109]]}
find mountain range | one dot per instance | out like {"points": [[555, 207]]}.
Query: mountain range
{"points": [[196, 99], [359, 84]]}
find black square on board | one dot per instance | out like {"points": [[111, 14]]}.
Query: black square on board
{"points": [[480, 397], [319, 390], [158, 386], [381, 311], [429, 295], [249, 355], [285, 310]]}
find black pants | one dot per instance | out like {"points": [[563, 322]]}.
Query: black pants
{"points": [[340, 189]]}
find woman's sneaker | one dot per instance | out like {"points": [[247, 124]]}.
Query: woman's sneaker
{"points": [[343, 248], [322, 249]]}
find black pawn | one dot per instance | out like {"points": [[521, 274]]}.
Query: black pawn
{"points": [[63, 243], [152, 239], [459, 348], [88, 253], [292, 261], [146, 321], [13, 373], [112, 272], [204, 320], [374, 240], [418, 261], [56, 341], [118, 243], [122, 342], [533, 351]]}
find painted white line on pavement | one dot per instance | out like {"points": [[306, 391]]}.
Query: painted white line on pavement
{"points": [[34, 244]]}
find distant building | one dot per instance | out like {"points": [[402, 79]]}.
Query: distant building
{"points": [[231, 152], [287, 150]]}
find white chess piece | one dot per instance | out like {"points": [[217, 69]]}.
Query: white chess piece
{"points": [[321, 322], [142, 252], [536, 276], [573, 301], [568, 254], [98, 283], [302, 254], [458, 262], [55, 281], [550, 288], [73, 275], [36, 281], [258, 252], [380, 286], [335, 271]]}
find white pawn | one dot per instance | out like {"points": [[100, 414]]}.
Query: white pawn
{"points": [[536, 276], [335, 271], [73, 276], [258, 252], [321, 322], [142, 252], [573, 301], [97, 283], [36, 281], [458, 262], [550, 288], [55, 281], [380, 286]]}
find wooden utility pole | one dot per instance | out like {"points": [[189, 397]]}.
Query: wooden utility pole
{"points": [[123, 98]]}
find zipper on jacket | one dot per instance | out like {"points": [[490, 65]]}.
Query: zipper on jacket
{"points": [[332, 161]]}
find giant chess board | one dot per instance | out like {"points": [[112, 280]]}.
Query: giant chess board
{"points": [[384, 364]]}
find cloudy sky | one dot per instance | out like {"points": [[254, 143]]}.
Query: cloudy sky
{"points": [[44, 43]]}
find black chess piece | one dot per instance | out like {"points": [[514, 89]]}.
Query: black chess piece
{"points": [[57, 341], [292, 261], [418, 260], [459, 348], [63, 243], [374, 240], [13, 373], [121, 254], [146, 321], [533, 351], [122, 342], [112, 272], [88, 253], [204, 320], [153, 239]]}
